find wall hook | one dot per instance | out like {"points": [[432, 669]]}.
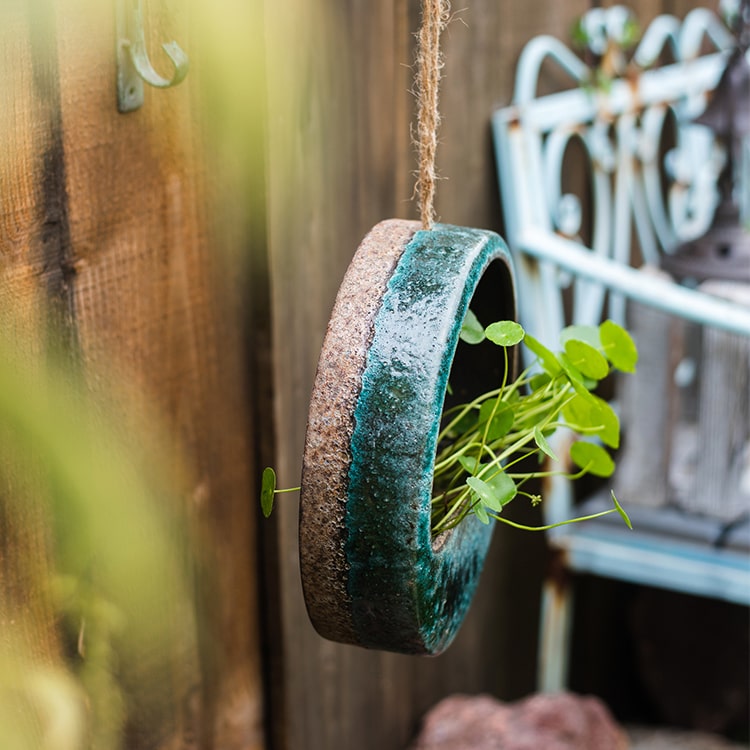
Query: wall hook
{"points": [[133, 63]]}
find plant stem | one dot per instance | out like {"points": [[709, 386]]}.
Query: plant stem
{"points": [[549, 526]]}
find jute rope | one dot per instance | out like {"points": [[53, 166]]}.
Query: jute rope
{"points": [[435, 16]]}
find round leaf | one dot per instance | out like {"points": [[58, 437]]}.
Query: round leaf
{"points": [[609, 432], [618, 346], [505, 333], [500, 422], [580, 383], [587, 334], [575, 376], [592, 458], [503, 487], [267, 490], [543, 444], [495, 492], [469, 463], [472, 331], [481, 513], [592, 415], [587, 360], [580, 413], [482, 491]]}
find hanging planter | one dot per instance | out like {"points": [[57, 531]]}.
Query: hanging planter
{"points": [[372, 572], [396, 506], [416, 429]]}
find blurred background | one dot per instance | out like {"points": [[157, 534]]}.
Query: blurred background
{"points": [[166, 277]]}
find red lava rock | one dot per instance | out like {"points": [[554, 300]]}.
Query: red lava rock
{"points": [[554, 721]]}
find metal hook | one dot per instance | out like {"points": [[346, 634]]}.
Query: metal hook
{"points": [[133, 64]]}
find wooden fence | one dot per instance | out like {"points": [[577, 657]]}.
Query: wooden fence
{"points": [[199, 266]]}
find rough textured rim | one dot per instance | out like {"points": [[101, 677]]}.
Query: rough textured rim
{"points": [[371, 574], [330, 424]]}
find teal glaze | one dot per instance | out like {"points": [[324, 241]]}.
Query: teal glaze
{"points": [[405, 596]]}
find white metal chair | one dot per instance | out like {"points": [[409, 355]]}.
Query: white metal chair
{"points": [[651, 176]]}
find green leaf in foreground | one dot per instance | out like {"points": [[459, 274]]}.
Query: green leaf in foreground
{"points": [[609, 431], [581, 413], [465, 424], [587, 334], [481, 513], [505, 333], [504, 487], [586, 359], [500, 422], [267, 491], [592, 458], [484, 493], [493, 493], [592, 415], [472, 331], [582, 384], [543, 444], [618, 346], [470, 464]]}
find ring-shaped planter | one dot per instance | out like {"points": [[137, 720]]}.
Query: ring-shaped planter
{"points": [[372, 573]]}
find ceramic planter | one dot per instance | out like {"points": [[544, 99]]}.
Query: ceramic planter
{"points": [[372, 574]]}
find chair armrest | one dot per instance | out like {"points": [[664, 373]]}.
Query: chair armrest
{"points": [[657, 292]]}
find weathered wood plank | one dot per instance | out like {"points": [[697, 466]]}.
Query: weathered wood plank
{"points": [[648, 409], [33, 232], [159, 316], [722, 461], [30, 276]]}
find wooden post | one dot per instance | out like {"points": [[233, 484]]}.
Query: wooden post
{"points": [[112, 222], [721, 484], [648, 408]]}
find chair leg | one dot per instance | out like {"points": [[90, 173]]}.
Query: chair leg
{"points": [[554, 628]]}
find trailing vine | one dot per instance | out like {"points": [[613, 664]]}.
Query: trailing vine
{"points": [[483, 444]]}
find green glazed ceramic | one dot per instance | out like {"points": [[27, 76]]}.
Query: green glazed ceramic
{"points": [[371, 572]]}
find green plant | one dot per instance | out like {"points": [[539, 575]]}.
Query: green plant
{"points": [[97, 605], [484, 445]]}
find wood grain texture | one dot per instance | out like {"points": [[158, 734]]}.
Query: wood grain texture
{"points": [[112, 247], [722, 462], [158, 310], [642, 465], [31, 288], [33, 233]]}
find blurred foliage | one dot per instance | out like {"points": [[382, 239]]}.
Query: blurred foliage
{"points": [[97, 603], [96, 610]]}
